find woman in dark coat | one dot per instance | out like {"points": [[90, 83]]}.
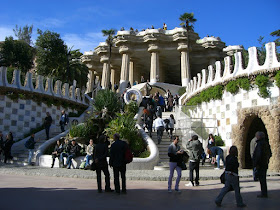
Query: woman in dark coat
{"points": [[8, 146]]}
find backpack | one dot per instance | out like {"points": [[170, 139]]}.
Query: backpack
{"points": [[128, 155]]}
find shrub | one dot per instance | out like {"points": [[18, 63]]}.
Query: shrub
{"points": [[244, 83], [262, 83], [181, 91], [219, 141], [232, 87], [132, 108], [277, 79], [124, 125], [145, 154], [108, 99]]}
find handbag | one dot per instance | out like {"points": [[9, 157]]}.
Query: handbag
{"points": [[182, 165]]}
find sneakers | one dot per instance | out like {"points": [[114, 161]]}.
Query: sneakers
{"points": [[217, 168], [169, 191], [190, 184]]}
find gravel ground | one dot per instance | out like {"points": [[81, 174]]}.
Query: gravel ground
{"points": [[148, 175]]}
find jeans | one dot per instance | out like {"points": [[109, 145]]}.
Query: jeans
{"points": [[220, 156], [31, 151], [69, 160], [261, 173], [88, 158], [172, 167], [47, 128], [233, 181], [117, 171], [107, 177], [159, 133], [194, 166], [61, 159]]}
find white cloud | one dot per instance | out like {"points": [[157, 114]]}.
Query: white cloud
{"points": [[84, 42], [5, 32]]}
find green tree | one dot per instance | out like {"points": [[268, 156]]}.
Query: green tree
{"points": [[110, 36], [16, 54], [277, 42], [51, 55], [24, 33], [187, 21], [261, 50]]}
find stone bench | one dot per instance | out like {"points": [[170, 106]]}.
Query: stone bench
{"points": [[46, 161]]}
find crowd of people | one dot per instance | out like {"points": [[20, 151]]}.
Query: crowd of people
{"points": [[260, 157]]}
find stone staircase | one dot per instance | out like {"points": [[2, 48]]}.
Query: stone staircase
{"points": [[20, 157]]}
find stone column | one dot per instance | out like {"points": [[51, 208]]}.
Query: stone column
{"points": [[131, 72], [154, 72], [125, 68], [113, 76], [105, 80], [185, 64]]}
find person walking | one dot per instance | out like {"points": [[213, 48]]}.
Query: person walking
{"points": [[56, 152], [261, 158], [158, 124], [117, 161], [89, 151], [1, 144], [30, 145], [63, 120], [216, 151], [195, 150], [47, 124], [175, 156], [231, 178], [171, 124], [100, 155]]}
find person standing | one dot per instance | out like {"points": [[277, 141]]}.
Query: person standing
{"points": [[253, 145], [171, 124], [231, 178], [216, 151], [195, 150], [100, 155], [117, 161], [89, 151], [174, 154], [261, 158], [211, 141], [1, 144], [63, 120], [30, 145], [7, 147], [164, 26], [47, 124], [158, 124]]}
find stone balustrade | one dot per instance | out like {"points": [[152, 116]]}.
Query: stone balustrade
{"points": [[60, 91], [212, 77]]}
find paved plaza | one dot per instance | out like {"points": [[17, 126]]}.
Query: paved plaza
{"points": [[35, 188]]}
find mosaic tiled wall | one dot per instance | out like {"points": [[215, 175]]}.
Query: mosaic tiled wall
{"points": [[19, 117], [225, 110]]}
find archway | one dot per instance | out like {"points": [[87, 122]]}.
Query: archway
{"points": [[256, 125]]}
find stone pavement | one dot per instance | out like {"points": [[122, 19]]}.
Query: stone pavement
{"points": [[148, 175], [42, 192]]}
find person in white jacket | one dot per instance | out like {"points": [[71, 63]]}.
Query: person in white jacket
{"points": [[158, 124]]}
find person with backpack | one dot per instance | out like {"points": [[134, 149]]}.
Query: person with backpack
{"points": [[64, 120], [30, 145], [100, 159], [118, 162], [261, 156], [195, 150], [231, 178]]}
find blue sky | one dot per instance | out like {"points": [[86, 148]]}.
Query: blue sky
{"points": [[80, 22]]}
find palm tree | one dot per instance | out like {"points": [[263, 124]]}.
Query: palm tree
{"points": [[187, 19], [110, 36]]}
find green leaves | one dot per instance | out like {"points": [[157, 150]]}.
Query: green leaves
{"points": [[277, 79], [187, 19], [233, 86], [262, 83]]}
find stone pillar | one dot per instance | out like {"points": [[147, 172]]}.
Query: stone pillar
{"points": [[113, 76], [105, 80], [185, 64], [154, 72], [131, 72], [125, 68]]}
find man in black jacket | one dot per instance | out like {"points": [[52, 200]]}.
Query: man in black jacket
{"points": [[100, 155], [117, 161], [261, 158], [74, 151], [47, 124]]}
